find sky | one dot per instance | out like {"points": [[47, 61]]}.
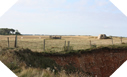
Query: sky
{"points": [[65, 17]]}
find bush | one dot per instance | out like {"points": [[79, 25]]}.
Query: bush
{"points": [[123, 43], [108, 37], [67, 49], [94, 46]]}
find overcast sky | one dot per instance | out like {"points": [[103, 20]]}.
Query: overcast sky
{"points": [[65, 17]]}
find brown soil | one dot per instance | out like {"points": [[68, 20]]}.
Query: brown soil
{"points": [[99, 62]]}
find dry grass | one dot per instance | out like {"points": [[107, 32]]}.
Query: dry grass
{"points": [[26, 64], [35, 43], [34, 72]]}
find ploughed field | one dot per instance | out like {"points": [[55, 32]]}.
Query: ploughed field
{"points": [[36, 43]]}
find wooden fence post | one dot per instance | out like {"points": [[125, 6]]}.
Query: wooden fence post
{"points": [[8, 41], [112, 40], [44, 45], [90, 43], [65, 44], [68, 45], [15, 41], [121, 40]]}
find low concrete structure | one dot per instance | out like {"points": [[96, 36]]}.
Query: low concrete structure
{"points": [[55, 37], [102, 36]]}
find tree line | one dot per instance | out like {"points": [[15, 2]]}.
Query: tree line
{"points": [[7, 31]]}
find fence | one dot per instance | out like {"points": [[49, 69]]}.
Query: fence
{"points": [[43, 43]]}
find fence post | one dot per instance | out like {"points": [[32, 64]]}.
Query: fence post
{"points": [[112, 40], [68, 45], [90, 43], [65, 45], [15, 41], [8, 41], [121, 40], [44, 45]]}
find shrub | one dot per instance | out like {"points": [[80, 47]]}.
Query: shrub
{"points": [[65, 48], [123, 43], [93, 46]]}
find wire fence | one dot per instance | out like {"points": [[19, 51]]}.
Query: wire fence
{"points": [[66, 43]]}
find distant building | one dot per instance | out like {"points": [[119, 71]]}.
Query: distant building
{"points": [[55, 37], [102, 36]]}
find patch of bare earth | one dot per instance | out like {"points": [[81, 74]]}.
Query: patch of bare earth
{"points": [[99, 62]]}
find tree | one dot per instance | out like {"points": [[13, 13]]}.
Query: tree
{"points": [[17, 32], [6, 31]]}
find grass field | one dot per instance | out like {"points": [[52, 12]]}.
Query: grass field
{"points": [[32, 63], [35, 43]]}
